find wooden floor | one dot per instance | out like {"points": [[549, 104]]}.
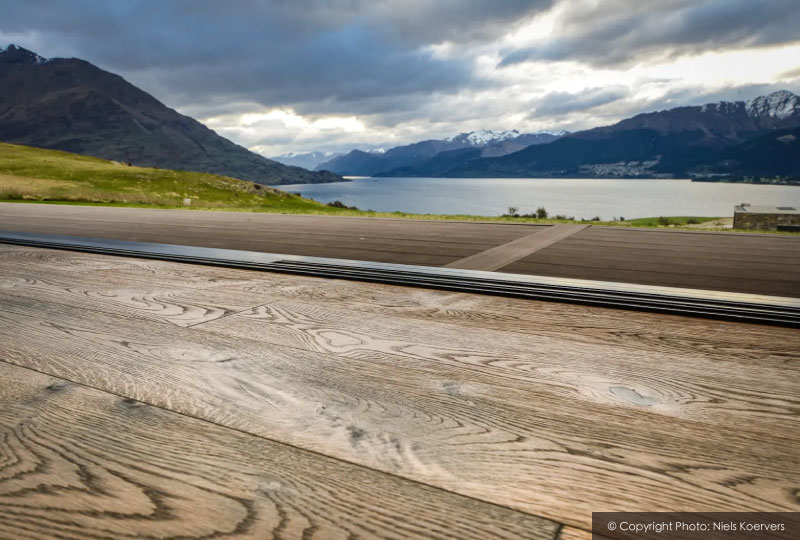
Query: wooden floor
{"points": [[149, 399], [747, 263]]}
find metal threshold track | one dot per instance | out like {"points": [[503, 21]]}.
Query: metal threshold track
{"points": [[700, 303]]}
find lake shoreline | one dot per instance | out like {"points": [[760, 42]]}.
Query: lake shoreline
{"points": [[588, 199]]}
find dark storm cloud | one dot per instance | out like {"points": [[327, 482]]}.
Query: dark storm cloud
{"points": [[620, 32], [557, 103], [272, 52], [375, 60]]}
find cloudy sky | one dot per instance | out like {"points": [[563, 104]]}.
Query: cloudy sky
{"points": [[299, 75]]}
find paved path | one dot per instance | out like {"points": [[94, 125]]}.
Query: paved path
{"points": [[749, 263], [378, 240], [505, 254]]}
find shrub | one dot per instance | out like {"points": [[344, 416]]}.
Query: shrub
{"points": [[340, 204], [541, 213], [664, 222]]}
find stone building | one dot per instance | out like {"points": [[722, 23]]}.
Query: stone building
{"points": [[767, 218]]}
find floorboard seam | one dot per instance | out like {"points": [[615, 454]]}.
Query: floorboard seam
{"points": [[559, 525]]}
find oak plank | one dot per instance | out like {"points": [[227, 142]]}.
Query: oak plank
{"points": [[80, 463], [750, 344], [437, 424], [744, 343], [666, 384], [571, 533], [675, 384], [180, 304]]}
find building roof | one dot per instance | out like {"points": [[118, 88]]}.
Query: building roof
{"points": [[788, 209]]}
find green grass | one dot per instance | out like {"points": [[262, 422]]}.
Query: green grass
{"points": [[33, 174], [49, 176], [669, 221]]}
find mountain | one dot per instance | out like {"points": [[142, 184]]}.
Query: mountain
{"points": [[69, 104], [777, 152], [684, 141], [308, 160], [410, 157], [355, 163]]}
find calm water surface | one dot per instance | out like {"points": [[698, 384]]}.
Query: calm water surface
{"points": [[582, 198]]}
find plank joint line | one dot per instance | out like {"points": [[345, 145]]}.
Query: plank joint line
{"points": [[505, 254]]}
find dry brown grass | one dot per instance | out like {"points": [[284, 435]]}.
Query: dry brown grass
{"points": [[32, 185]]}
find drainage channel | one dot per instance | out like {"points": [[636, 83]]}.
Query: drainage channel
{"points": [[694, 302]]}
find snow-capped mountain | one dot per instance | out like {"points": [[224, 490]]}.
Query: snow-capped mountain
{"points": [[483, 137], [307, 160], [486, 137], [722, 123], [781, 104], [17, 55], [737, 138], [775, 106], [486, 143]]}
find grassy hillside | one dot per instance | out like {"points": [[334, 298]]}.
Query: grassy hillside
{"points": [[49, 175]]}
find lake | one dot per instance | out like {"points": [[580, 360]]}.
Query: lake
{"points": [[581, 198]]}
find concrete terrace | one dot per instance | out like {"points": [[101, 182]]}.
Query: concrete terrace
{"points": [[746, 263]]}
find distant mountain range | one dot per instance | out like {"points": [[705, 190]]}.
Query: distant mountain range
{"points": [[715, 139], [307, 160], [69, 104], [412, 159], [741, 138]]}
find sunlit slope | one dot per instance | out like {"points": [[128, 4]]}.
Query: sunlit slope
{"points": [[34, 174]]}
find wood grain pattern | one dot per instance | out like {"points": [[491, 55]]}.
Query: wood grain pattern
{"points": [[571, 533], [517, 431], [746, 344], [80, 463], [641, 331], [182, 306], [676, 385]]}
